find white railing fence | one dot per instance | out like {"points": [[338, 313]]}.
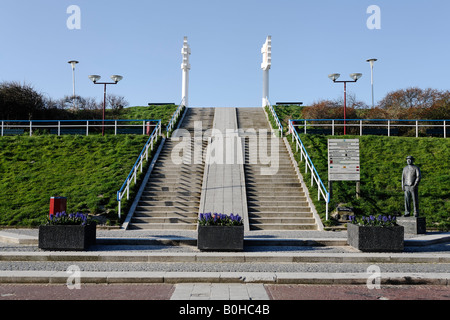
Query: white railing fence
{"points": [[387, 127], [275, 117], [138, 166], [175, 117], [80, 127], [315, 177]]}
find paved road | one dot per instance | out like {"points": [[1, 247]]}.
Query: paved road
{"points": [[207, 291]]}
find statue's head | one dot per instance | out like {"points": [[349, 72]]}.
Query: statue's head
{"points": [[409, 159]]}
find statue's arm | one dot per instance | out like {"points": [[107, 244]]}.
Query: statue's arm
{"points": [[403, 180], [418, 177]]}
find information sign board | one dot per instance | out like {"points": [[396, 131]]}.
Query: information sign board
{"points": [[343, 160]]}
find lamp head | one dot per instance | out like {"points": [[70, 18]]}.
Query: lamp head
{"points": [[356, 76], [372, 61], [334, 76], [94, 78], [116, 78], [73, 63]]}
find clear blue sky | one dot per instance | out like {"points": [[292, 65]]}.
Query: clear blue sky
{"points": [[142, 41]]}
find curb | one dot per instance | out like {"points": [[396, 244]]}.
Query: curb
{"points": [[61, 277], [225, 257], [426, 240]]}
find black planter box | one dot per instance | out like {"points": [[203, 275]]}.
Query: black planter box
{"points": [[217, 238], [67, 238], [376, 239]]}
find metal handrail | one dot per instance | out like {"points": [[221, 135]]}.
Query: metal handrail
{"points": [[309, 164], [174, 119], [132, 176], [60, 125], [275, 116], [361, 123]]}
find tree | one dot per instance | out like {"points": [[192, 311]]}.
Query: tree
{"points": [[328, 109], [20, 102], [416, 103], [116, 102]]}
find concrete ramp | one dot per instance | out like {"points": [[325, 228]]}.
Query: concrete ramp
{"points": [[223, 189]]}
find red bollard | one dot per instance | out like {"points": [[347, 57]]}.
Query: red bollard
{"points": [[58, 205], [150, 128]]}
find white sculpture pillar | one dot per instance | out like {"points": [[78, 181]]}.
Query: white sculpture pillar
{"points": [[185, 66], [266, 51]]}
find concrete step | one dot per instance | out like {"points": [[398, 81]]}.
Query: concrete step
{"points": [[171, 197], [283, 220], [181, 215], [151, 202], [306, 214], [172, 175], [285, 209], [164, 220], [162, 226], [274, 186], [147, 208], [283, 226], [267, 198], [270, 179], [192, 180], [182, 194], [274, 203]]}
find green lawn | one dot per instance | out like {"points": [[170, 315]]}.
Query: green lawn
{"points": [[382, 162], [88, 170], [163, 113], [288, 112]]}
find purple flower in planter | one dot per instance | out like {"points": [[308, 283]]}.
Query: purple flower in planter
{"points": [[61, 218], [219, 219]]}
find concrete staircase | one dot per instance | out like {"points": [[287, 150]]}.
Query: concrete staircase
{"points": [[171, 197], [276, 201]]}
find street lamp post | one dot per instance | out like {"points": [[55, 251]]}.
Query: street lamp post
{"points": [[95, 79], [73, 63], [355, 77], [372, 61]]}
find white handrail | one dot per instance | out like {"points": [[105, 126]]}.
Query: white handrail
{"points": [[175, 118], [132, 176], [275, 116], [383, 126], [82, 127], [309, 164]]}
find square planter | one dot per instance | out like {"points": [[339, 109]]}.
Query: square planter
{"points": [[218, 238], [66, 237], [376, 239]]}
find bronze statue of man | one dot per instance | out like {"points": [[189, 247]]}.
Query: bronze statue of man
{"points": [[410, 184]]}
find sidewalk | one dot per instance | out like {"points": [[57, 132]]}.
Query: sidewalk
{"points": [[171, 258]]}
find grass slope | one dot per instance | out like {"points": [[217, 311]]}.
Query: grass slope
{"points": [[87, 170], [382, 162], [163, 113]]}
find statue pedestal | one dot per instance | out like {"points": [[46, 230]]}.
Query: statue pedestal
{"points": [[413, 225]]}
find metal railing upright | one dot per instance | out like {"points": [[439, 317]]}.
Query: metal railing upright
{"points": [[315, 177], [275, 116], [80, 127], [132, 176], [175, 117], [386, 127]]}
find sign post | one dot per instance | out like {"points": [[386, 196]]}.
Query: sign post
{"points": [[344, 162]]}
